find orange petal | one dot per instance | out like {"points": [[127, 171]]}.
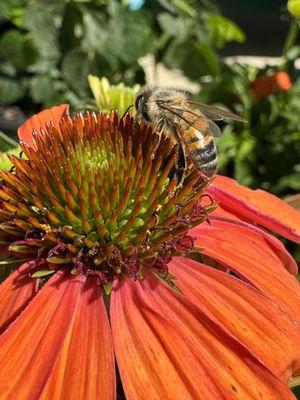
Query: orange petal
{"points": [[85, 367], [247, 253], [15, 293], [257, 233], [256, 206], [38, 121], [168, 348], [249, 316], [30, 347]]}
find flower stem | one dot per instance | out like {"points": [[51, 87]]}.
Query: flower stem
{"points": [[290, 38]]}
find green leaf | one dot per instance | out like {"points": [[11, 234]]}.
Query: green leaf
{"points": [[95, 33], [222, 30], [193, 59], [130, 35], [174, 26], [18, 49], [8, 69], [168, 6], [227, 147], [5, 162], [7, 143], [76, 66], [76, 102], [184, 6], [209, 58], [40, 23], [244, 158], [7, 7], [72, 17], [11, 90], [291, 181], [41, 88], [293, 53]]}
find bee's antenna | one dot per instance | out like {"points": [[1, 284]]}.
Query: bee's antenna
{"points": [[127, 109]]}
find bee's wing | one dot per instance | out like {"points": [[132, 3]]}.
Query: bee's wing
{"points": [[214, 113], [194, 119]]}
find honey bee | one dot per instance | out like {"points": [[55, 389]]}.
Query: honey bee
{"points": [[188, 123]]}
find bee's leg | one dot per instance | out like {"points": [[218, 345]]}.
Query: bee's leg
{"points": [[126, 111], [180, 165], [158, 130]]}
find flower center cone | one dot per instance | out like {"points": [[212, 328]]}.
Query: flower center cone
{"points": [[97, 196]]}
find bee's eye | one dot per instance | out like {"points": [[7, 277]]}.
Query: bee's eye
{"points": [[139, 101]]}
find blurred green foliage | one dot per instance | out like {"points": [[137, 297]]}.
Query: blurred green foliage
{"points": [[48, 48], [294, 8], [265, 152], [10, 146]]}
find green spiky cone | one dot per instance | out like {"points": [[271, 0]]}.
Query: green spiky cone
{"points": [[94, 196]]}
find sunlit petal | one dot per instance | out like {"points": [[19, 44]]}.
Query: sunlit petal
{"points": [[248, 315], [256, 206], [15, 293], [85, 367], [256, 234], [246, 252], [30, 347], [168, 348]]}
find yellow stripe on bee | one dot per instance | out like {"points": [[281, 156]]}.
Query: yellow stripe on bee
{"points": [[207, 139], [194, 145], [195, 139]]}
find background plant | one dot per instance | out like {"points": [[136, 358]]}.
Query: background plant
{"points": [[111, 97], [49, 48], [265, 152]]}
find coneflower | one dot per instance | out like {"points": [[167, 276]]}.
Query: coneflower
{"points": [[119, 264]]}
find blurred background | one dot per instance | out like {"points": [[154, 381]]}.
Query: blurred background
{"points": [[236, 54], [239, 55]]}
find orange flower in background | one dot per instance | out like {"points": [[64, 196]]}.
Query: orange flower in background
{"points": [[264, 85], [100, 235]]}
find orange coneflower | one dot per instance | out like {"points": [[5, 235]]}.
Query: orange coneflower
{"points": [[118, 267]]}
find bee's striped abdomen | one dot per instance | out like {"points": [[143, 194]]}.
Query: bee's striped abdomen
{"points": [[202, 151]]}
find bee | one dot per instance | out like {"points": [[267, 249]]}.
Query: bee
{"points": [[188, 123]]}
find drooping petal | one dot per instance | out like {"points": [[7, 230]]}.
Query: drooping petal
{"points": [[168, 348], [248, 315], [15, 293], [38, 121], [258, 233], [85, 367], [31, 345], [247, 253], [256, 206]]}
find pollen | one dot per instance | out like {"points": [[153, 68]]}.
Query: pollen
{"points": [[46, 227]]}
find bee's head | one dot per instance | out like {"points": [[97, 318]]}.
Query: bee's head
{"points": [[141, 106]]}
